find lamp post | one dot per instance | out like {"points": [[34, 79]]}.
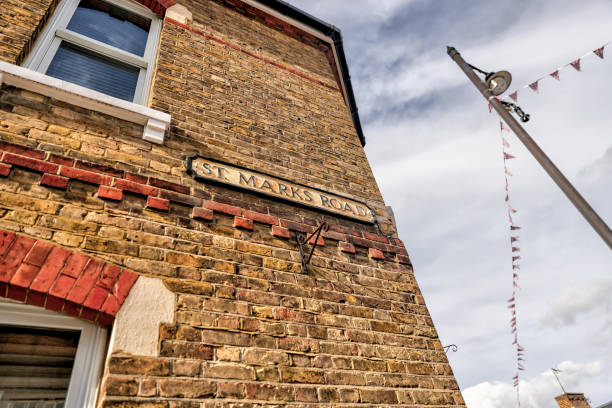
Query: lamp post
{"points": [[498, 83]]}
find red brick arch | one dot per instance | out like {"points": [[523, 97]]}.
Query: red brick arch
{"points": [[157, 6], [42, 274]]}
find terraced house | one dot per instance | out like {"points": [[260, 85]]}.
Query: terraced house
{"points": [[188, 218]]}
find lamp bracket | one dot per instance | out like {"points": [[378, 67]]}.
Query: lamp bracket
{"points": [[303, 240]]}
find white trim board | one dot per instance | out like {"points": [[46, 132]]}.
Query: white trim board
{"points": [[88, 362], [155, 122]]}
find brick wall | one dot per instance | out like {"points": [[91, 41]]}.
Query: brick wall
{"points": [[250, 328]]}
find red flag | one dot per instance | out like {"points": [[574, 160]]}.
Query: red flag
{"points": [[505, 142], [534, 86], [507, 172], [514, 239], [514, 96], [555, 75], [576, 64], [503, 127], [513, 228], [516, 266], [507, 198], [508, 156], [599, 52], [511, 209], [516, 249], [515, 258], [490, 107], [511, 299]]}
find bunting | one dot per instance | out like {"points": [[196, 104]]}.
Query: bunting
{"points": [[515, 258], [576, 64]]}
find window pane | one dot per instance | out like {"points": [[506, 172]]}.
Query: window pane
{"points": [[35, 366], [81, 67], [111, 25]]}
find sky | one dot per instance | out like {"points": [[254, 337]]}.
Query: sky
{"points": [[437, 156]]}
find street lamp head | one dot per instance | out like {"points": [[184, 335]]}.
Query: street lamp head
{"points": [[498, 82]]}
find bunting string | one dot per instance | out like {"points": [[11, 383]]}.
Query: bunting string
{"points": [[515, 247], [575, 64]]}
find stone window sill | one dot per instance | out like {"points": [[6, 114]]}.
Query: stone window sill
{"points": [[155, 122]]}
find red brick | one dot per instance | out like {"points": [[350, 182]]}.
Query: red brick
{"points": [[375, 253], [223, 208], [104, 319], [89, 314], [136, 187], [36, 298], [346, 247], [86, 176], [375, 237], [25, 275], [17, 251], [5, 169], [109, 276], [50, 269], [111, 305], [75, 264], [263, 218], [280, 232], [99, 168], [200, 213], [320, 241], [6, 239], [17, 293], [124, 284], [62, 286], [110, 193], [86, 281], [22, 150], [336, 236], [54, 303], [403, 259], [168, 185], [38, 253], [158, 203], [360, 241], [244, 223], [64, 161], [296, 226], [52, 180], [136, 178], [72, 309], [33, 164], [96, 298], [180, 198]]}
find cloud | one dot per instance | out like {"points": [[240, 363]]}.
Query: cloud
{"points": [[539, 391], [577, 302]]}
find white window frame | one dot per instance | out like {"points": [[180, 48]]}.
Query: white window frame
{"points": [[56, 31], [89, 359]]}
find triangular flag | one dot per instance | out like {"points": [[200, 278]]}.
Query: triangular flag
{"points": [[505, 142], [515, 258], [534, 86], [555, 75], [508, 156], [516, 267], [514, 239], [516, 249], [490, 107], [511, 209], [513, 228], [511, 300], [599, 52], [503, 127], [507, 172], [514, 96], [507, 198], [576, 64]]}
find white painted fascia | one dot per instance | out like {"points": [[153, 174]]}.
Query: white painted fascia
{"points": [[155, 122]]}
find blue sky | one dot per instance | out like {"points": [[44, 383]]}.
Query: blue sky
{"points": [[436, 154]]}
